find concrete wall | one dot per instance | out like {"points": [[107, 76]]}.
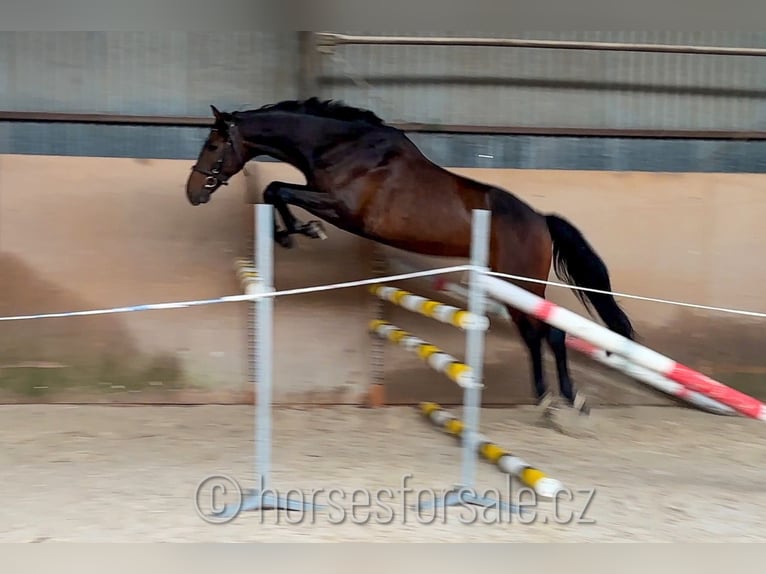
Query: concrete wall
{"points": [[80, 233]]}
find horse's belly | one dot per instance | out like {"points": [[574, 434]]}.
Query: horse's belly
{"points": [[422, 229]]}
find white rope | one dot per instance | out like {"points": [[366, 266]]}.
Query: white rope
{"points": [[629, 296], [363, 282], [238, 298]]}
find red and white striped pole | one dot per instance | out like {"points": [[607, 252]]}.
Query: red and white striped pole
{"points": [[608, 340], [651, 378]]}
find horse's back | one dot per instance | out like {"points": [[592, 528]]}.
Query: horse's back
{"points": [[397, 196], [521, 240]]}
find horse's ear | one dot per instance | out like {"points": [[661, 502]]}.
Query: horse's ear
{"points": [[218, 115]]}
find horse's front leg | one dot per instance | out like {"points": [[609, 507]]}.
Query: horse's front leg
{"points": [[272, 196], [317, 203]]}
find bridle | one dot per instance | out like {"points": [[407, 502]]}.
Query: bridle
{"points": [[214, 178]]}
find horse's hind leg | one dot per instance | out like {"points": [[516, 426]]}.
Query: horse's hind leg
{"points": [[532, 334], [557, 342]]}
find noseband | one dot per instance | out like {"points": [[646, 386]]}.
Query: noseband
{"points": [[214, 178]]}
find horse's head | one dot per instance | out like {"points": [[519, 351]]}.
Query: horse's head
{"points": [[221, 157]]}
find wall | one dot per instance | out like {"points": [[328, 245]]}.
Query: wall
{"points": [[144, 73], [182, 73], [136, 73], [78, 233], [557, 88], [84, 233]]}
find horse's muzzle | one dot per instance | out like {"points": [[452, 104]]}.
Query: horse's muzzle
{"points": [[199, 198]]}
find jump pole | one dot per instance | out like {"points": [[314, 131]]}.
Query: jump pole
{"points": [[247, 274], [617, 362], [646, 376], [469, 375], [608, 340], [441, 284], [439, 360], [506, 461], [651, 378]]}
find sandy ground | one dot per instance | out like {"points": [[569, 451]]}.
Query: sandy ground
{"points": [[86, 473]]}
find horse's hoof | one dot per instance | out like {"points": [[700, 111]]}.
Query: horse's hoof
{"points": [[315, 230], [581, 405], [284, 239], [573, 422], [546, 408], [549, 419], [545, 403]]}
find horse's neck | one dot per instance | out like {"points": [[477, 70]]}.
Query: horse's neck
{"points": [[291, 138], [277, 136]]}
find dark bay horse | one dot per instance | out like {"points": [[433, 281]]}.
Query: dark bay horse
{"points": [[369, 179]]}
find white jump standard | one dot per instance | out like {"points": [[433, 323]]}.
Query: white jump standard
{"points": [[258, 279], [469, 375]]}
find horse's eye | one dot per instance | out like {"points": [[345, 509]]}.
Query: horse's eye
{"points": [[211, 147]]}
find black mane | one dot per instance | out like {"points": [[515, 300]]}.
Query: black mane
{"points": [[334, 109]]}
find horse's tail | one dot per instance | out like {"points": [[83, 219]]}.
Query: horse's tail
{"points": [[578, 264]]}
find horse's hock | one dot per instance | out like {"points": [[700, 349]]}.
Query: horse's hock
{"points": [[82, 233]]}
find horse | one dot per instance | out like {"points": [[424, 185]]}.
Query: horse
{"points": [[368, 178]]}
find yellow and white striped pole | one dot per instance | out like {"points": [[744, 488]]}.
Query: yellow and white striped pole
{"points": [[247, 274], [448, 314], [440, 361], [536, 479]]}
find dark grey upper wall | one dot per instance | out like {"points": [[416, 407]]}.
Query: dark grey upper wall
{"points": [[558, 88], [181, 73], [163, 73]]}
